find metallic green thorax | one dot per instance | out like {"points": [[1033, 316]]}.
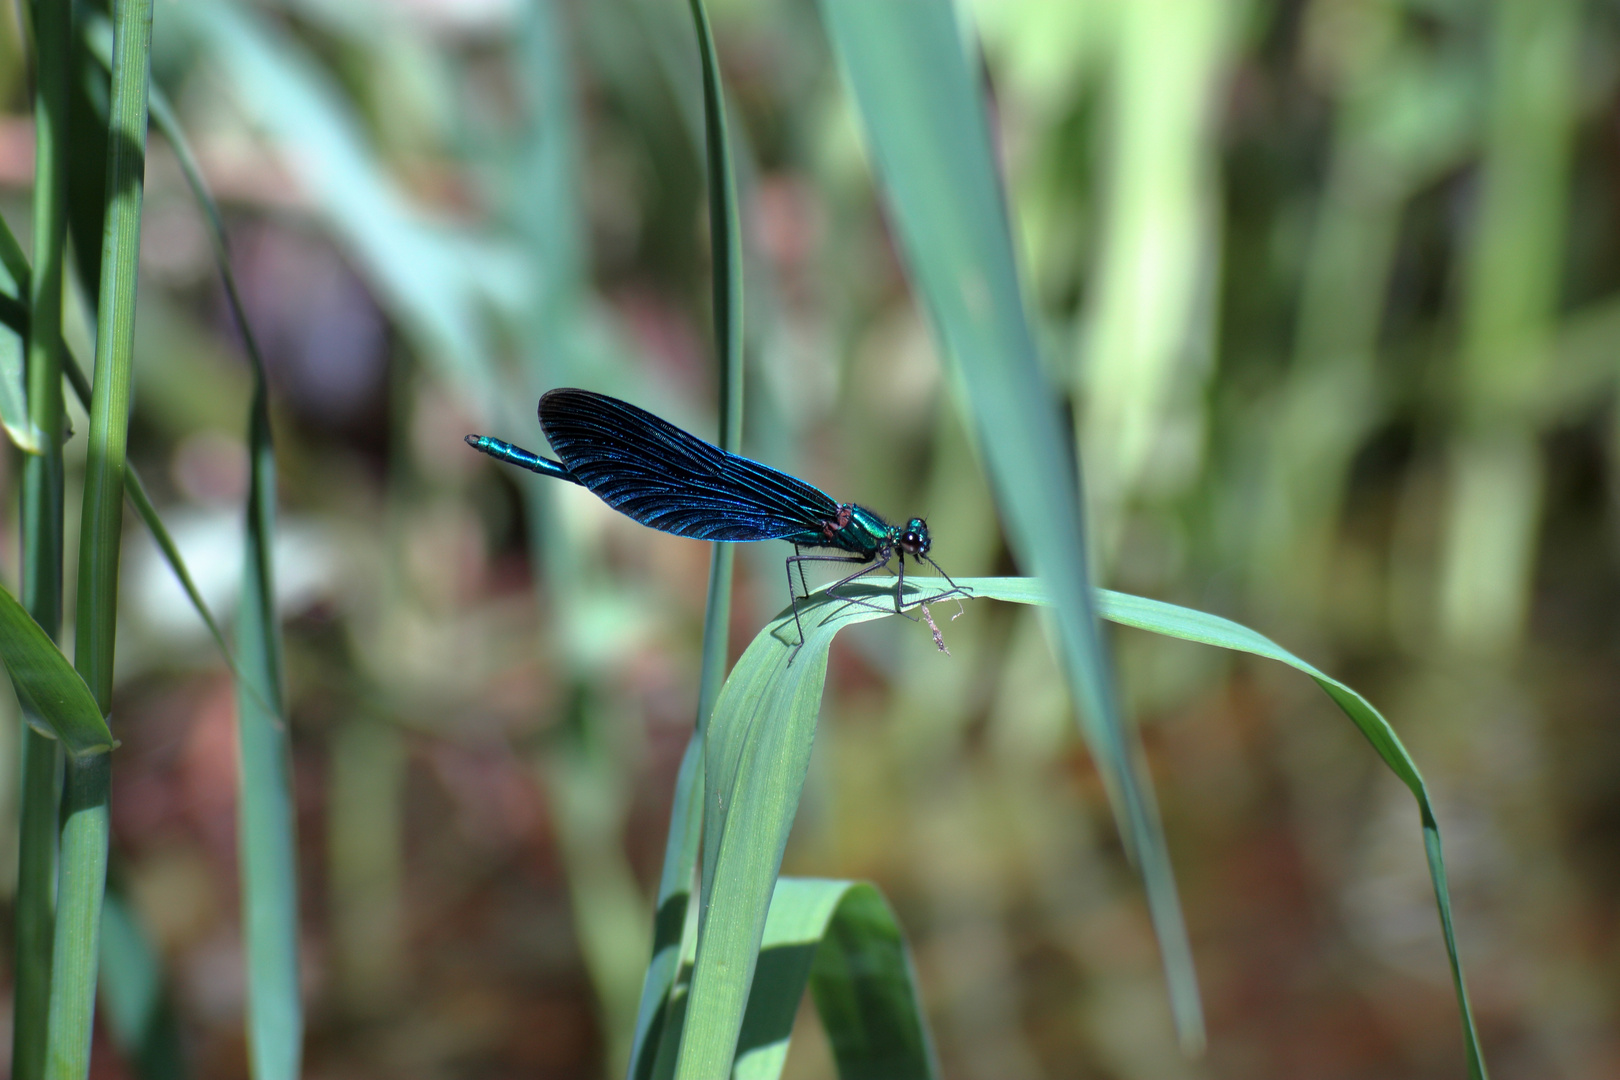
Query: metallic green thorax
{"points": [[861, 532]]}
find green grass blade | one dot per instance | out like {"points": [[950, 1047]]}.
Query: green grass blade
{"points": [[98, 38], [102, 518], [53, 29], [36, 886], [40, 526], [841, 939], [926, 130], [756, 751], [135, 489], [1174, 621], [670, 920], [265, 813], [85, 832], [657, 1027], [1189, 625], [725, 235], [84, 828], [49, 687], [759, 746], [138, 498]]}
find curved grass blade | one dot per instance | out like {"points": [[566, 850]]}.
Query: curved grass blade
{"points": [[1172, 620], [659, 1021], [840, 938], [47, 684], [759, 747], [924, 114]]}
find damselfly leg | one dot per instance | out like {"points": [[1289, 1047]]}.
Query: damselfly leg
{"points": [[800, 560]]}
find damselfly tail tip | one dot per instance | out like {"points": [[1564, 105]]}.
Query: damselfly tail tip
{"points": [[474, 441]]}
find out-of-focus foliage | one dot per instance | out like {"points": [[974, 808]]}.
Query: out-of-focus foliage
{"points": [[1333, 287]]}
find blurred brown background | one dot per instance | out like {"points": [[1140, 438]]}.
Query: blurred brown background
{"points": [[1334, 287]]}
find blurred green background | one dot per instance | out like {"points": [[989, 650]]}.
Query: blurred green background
{"points": [[1333, 288]]}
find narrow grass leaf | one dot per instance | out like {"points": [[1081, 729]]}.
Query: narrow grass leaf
{"points": [[654, 1015], [756, 751], [83, 870], [47, 684], [1172, 620], [34, 421], [98, 37], [658, 1025], [840, 938], [135, 489], [82, 880], [759, 745], [265, 812], [926, 127], [35, 916]]}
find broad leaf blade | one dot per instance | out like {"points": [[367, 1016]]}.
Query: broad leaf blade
{"points": [[759, 745], [840, 938]]}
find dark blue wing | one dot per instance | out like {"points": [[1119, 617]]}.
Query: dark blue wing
{"points": [[665, 478]]}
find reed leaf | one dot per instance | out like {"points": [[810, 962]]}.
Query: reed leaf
{"points": [[658, 1026], [924, 115], [841, 939]]}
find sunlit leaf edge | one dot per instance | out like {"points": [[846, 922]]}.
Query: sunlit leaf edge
{"points": [[758, 749]]}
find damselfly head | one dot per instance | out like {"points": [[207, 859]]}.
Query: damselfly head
{"points": [[914, 538]]}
